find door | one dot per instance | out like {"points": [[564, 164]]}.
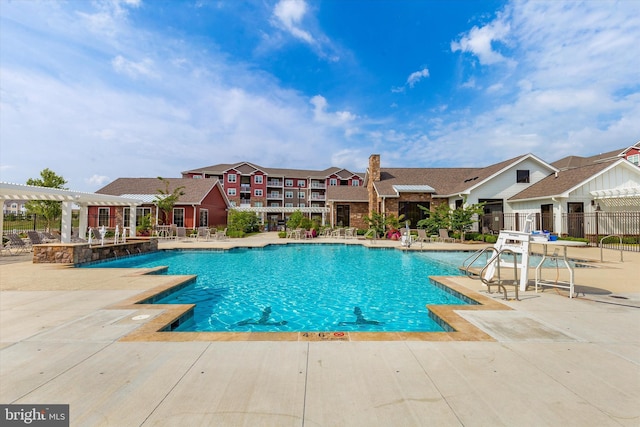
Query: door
{"points": [[575, 219], [546, 212], [342, 215]]}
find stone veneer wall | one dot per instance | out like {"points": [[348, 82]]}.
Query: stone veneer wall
{"points": [[79, 253]]}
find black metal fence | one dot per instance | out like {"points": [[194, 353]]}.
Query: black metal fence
{"points": [[616, 230]]}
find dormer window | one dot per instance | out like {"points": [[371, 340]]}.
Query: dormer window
{"points": [[522, 176]]}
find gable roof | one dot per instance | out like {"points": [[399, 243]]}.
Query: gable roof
{"points": [[195, 190], [579, 161], [248, 168], [445, 182], [560, 184]]}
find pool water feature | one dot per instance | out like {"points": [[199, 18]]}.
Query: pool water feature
{"points": [[304, 288]]}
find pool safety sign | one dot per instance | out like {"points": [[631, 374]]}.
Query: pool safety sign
{"points": [[34, 415]]}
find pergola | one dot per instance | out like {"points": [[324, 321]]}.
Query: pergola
{"points": [[68, 198]]}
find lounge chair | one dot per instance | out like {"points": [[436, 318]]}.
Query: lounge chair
{"points": [[49, 238], [16, 245], [422, 237], [350, 233], [444, 236], [34, 237]]}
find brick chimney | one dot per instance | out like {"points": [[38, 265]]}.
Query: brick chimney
{"points": [[374, 167]]}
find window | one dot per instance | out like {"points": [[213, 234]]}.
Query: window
{"points": [[522, 176], [300, 194], [103, 217], [178, 217], [204, 218], [274, 195], [301, 183], [288, 194], [258, 179], [257, 193], [355, 183], [635, 159], [333, 181], [257, 204], [288, 183], [274, 204], [231, 191], [301, 205], [232, 177], [288, 205]]}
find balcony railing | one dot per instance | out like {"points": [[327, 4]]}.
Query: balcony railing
{"points": [[319, 185], [274, 183]]}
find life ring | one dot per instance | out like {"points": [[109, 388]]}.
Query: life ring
{"points": [[338, 334]]}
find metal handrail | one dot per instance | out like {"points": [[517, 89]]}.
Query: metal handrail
{"points": [[475, 257], [606, 237], [500, 283]]}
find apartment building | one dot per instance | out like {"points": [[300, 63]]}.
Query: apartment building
{"points": [[274, 193]]}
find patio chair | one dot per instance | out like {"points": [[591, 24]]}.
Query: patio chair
{"points": [[443, 236], [222, 235], [16, 245], [49, 237], [34, 237], [181, 233], [350, 233], [422, 237], [203, 233]]}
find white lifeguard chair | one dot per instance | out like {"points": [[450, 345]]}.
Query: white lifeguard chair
{"points": [[514, 244]]}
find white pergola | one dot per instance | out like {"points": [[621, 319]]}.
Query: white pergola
{"points": [[68, 198]]}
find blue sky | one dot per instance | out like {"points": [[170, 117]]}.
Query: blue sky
{"points": [[97, 90]]}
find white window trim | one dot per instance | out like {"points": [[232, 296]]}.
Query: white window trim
{"points": [[288, 183], [231, 191], [235, 177], [257, 193], [258, 179]]}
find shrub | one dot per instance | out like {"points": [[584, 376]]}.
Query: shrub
{"points": [[490, 238]]}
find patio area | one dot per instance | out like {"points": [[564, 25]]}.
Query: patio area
{"points": [[549, 361]]}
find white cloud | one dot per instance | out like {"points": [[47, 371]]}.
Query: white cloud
{"points": [[481, 42], [320, 114], [289, 14], [133, 69], [98, 181], [416, 76]]}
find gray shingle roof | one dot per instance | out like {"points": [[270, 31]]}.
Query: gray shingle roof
{"points": [[248, 168], [195, 189], [562, 182], [347, 193]]}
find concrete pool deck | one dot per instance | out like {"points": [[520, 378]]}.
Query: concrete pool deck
{"points": [[550, 360]]}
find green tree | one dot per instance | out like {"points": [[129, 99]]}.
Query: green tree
{"points": [[295, 220], [438, 219], [462, 218], [241, 222], [50, 210], [167, 199]]}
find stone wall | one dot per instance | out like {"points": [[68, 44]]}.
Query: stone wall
{"points": [[80, 253]]}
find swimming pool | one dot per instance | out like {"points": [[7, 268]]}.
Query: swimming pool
{"points": [[303, 288]]}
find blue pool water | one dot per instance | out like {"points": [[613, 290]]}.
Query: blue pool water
{"points": [[304, 288]]}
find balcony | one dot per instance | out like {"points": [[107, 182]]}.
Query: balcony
{"points": [[319, 185], [318, 197], [274, 183], [245, 188], [274, 196]]}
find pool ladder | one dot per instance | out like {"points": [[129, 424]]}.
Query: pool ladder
{"points": [[494, 279]]}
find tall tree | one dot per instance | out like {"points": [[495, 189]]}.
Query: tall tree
{"points": [[50, 210], [167, 199]]}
